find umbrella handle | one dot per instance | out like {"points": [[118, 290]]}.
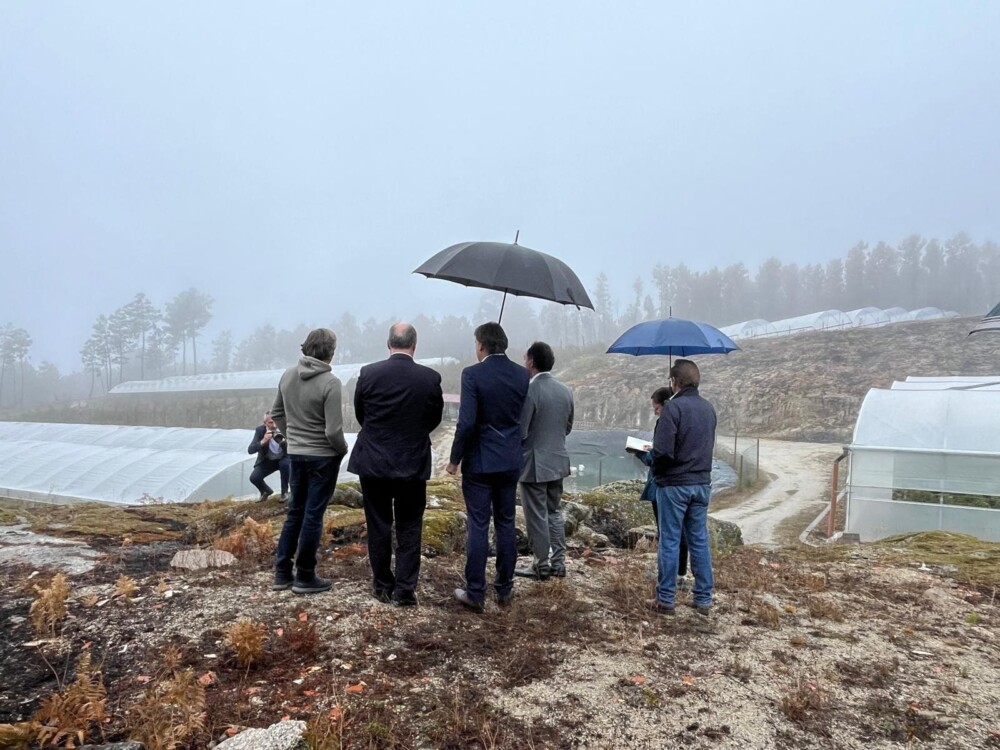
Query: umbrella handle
{"points": [[504, 302]]}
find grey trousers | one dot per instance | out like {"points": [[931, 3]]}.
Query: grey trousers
{"points": [[544, 519]]}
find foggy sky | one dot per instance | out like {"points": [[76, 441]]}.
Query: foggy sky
{"points": [[299, 160]]}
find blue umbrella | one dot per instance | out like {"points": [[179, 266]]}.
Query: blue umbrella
{"points": [[673, 336]]}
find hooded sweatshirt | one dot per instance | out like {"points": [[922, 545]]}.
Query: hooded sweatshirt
{"points": [[307, 410]]}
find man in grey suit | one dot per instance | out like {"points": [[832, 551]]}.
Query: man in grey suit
{"points": [[546, 420]]}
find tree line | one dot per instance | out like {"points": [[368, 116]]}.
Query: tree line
{"points": [[141, 340]]}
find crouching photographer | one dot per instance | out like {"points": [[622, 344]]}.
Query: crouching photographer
{"points": [[272, 455]]}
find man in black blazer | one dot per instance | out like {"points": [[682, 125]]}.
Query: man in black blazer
{"points": [[272, 455], [398, 403], [488, 446]]}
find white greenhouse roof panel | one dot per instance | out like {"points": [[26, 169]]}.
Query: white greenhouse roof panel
{"points": [[66, 463], [929, 420], [818, 321], [250, 380]]}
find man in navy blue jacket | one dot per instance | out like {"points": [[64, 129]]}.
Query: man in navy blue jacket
{"points": [[682, 470], [487, 444], [398, 403], [269, 445]]}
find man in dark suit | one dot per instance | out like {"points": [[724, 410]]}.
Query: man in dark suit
{"points": [[488, 446], [546, 420], [269, 445], [398, 403]]}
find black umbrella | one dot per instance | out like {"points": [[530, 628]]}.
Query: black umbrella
{"points": [[511, 269]]}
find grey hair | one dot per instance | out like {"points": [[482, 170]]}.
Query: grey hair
{"points": [[402, 336]]}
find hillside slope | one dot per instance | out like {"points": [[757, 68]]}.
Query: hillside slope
{"points": [[805, 387]]}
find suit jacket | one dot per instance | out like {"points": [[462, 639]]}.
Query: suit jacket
{"points": [[398, 403], [263, 454], [488, 434], [546, 420]]}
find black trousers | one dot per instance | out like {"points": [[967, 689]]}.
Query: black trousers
{"points": [[682, 562], [401, 501]]}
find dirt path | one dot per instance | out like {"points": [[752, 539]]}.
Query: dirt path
{"points": [[800, 481]]}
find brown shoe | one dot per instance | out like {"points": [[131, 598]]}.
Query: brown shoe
{"points": [[660, 608]]}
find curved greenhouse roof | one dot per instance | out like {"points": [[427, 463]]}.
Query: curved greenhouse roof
{"points": [[66, 463], [750, 329], [868, 317], [250, 380], [930, 313], [818, 321], [938, 420]]}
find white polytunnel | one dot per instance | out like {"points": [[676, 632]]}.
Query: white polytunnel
{"points": [[249, 380], [67, 463], [868, 317], [750, 329], [818, 321], [926, 459]]}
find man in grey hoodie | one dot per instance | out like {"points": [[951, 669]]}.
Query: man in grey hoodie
{"points": [[307, 411]]}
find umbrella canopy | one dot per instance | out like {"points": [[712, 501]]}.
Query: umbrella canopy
{"points": [[990, 323], [512, 269], [673, 336]]}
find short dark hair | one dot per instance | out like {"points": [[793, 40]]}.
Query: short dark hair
{"points": [[541, 356], [492, 337], [686, 373], [402, 336], [321, 343], [661, 395]]}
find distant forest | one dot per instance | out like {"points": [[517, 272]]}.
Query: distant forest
{"points": [[140, 340]]}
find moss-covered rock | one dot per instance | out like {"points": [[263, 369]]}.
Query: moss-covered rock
{"points": [[342, 524], [443, 532]]}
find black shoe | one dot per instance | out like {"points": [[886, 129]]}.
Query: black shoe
{"points": [[282, 582], [264, 496], [462, 596], [505, 601], [315, 586], [701, 610], [558, 572], [383, 596], [660, 608], [405, 600], [539, 573]]}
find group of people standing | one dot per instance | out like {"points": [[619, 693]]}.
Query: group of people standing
{"points": [[512, 426]]}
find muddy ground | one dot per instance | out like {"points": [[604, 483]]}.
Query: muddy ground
{"points": [[865, 646]]}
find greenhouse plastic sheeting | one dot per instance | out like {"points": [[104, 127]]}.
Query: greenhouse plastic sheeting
{"points": [[939, 445], [251, 380], [818, 321], [65, 463]]}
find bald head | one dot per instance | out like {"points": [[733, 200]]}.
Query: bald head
{"points": [[402, 338]]}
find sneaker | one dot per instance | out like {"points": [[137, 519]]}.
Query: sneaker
{"points": [[316, 586], [660, 608], [264, 496], [462, 596], [702, 609], [282, 582], [405, 599], [539, 572]]}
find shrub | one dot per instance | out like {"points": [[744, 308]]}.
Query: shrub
{"points": [[50, 606]]}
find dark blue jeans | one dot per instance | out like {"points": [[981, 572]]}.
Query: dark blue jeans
{"points": [[489, 495], [265, 469], [683, 512], [313, 479]]}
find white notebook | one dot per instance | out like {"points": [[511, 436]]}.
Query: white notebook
{"points": [[637, 444]]}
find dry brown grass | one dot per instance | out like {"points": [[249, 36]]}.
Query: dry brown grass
{"points": [[766, 615], [806, 705], [66, 718], [822, 608], [170, 713], [125, 587], [251, 541], [302, 637], [246, 638], [49, 608]]}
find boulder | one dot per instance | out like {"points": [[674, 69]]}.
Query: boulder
{"points": [[443, 532], [573, 515], [199, 559], [591, 538], [349, 496], [723, 535], [285, 735]]}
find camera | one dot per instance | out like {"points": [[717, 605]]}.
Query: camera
{"points": [[277, 436]]}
